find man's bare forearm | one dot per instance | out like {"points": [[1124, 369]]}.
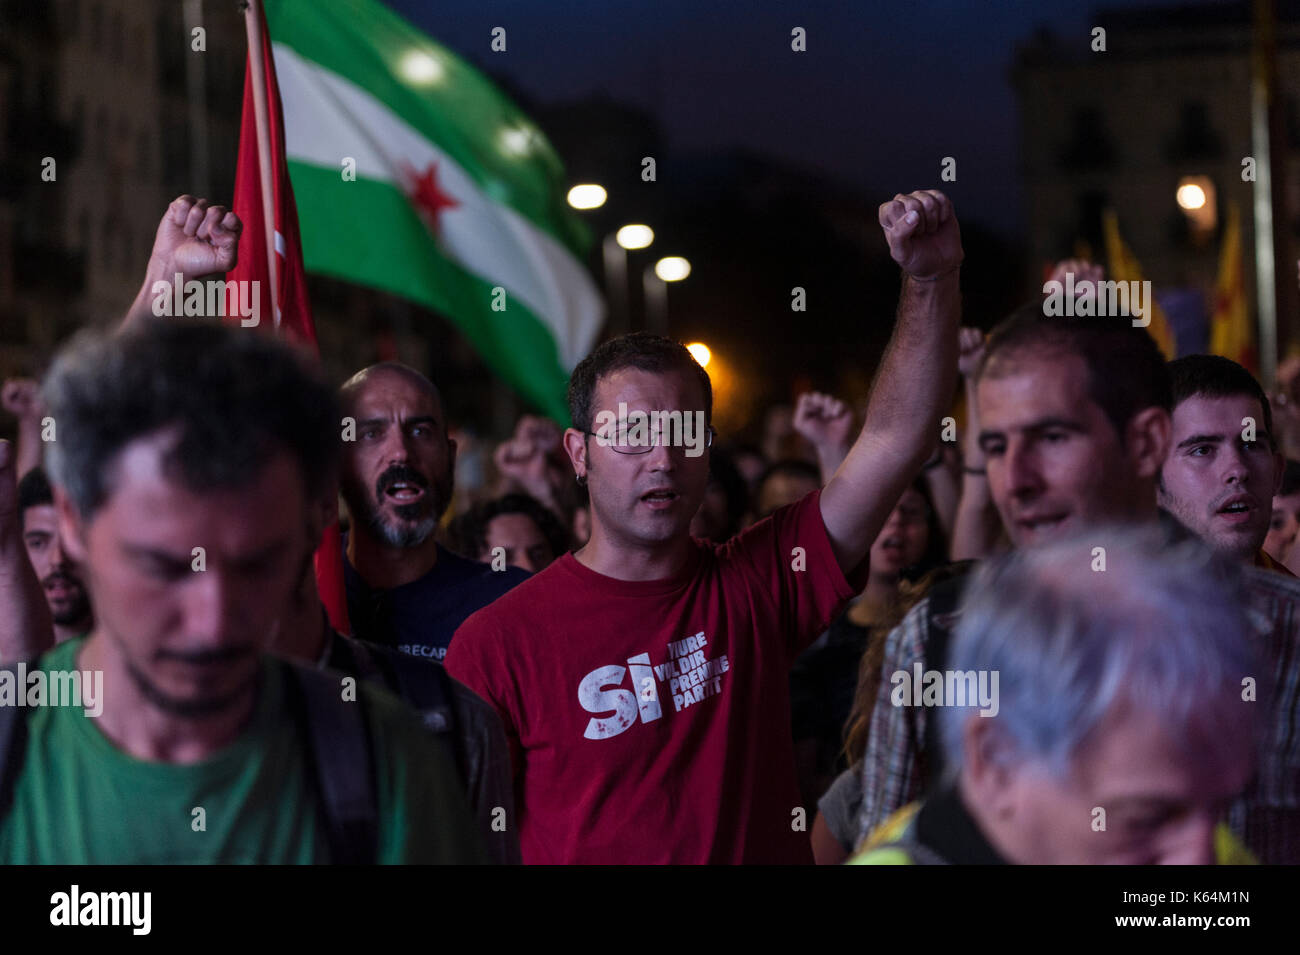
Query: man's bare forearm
{"points": [[917, 374], [975, 531], [142, 308], [914, 385], [30, 448]]}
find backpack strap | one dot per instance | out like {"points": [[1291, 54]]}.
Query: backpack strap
{"points": [[944, 598], [13, 748], [340, 755], [423, 685]]}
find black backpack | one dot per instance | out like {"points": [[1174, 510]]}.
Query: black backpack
{"points": [[421, 684], [338, 746]]}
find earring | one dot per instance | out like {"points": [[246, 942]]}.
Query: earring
{"points": [[581, 479]]}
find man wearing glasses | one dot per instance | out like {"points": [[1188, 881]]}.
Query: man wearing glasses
{"points": [[643, 680]]}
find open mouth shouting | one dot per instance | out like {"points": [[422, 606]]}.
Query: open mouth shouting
{"points": [[403, 486], [660, 498]]}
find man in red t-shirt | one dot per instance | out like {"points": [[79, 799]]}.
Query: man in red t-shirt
{"points": [[643, 681]]}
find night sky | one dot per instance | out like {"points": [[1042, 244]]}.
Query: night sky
{"points": [[885, 90]]}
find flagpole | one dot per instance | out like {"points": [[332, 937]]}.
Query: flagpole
{"points": [[262, 119]]}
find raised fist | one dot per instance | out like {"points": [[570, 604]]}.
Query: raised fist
{"points": [[824, 420], [1086, 275], [921, 229], [195, 239], [530, 458], [970, 349], [21, 397]]}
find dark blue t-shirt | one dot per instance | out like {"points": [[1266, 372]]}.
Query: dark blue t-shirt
{"points": [[419, 618]]}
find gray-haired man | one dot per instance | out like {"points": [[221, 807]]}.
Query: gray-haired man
{"points": [[1122, 720]]}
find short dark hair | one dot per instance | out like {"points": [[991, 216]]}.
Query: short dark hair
{"points": [[467, 533], [640, 350], [1126, 371], [33, 491], [235, 397], [1213, 376]]}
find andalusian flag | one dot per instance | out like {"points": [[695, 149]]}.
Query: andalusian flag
{"points": [[1232, 333], [415, 175], [1124, 267]]}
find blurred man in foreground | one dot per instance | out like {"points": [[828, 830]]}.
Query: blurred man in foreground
{"points": [[188, 459], [1117, 729]]}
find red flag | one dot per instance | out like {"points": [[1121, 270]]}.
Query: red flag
{"points": [[291, 314]]}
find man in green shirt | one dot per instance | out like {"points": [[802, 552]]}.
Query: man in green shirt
{"points": [[189, 462]]}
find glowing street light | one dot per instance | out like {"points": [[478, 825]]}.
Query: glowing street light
{"points": [[587, 195], [672, 268], [1191, 196], [635, 236], [700, 352]]}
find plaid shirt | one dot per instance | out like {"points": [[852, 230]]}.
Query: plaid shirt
{"points": [[1267, 817], [891, 767]]}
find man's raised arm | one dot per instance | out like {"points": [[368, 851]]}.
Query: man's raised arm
{"points": [[916, 378], [194, 239]]}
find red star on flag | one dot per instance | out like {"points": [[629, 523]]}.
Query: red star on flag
{"points": [[428, 199]]}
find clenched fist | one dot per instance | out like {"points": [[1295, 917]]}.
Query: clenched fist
{"points": [[195, 239], [1086, 275], [824, 420], [530, 458], [921, 229], [21, 397]]}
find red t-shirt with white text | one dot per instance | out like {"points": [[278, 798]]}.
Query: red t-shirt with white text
{"points": [[649, 721]]}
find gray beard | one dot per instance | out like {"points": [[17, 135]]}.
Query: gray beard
{"points": [[406, 536]]}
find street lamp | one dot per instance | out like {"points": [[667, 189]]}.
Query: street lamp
{"points": [[635, 236], [1196, 197], [672, 268], [700, 352], [654, 288], [587, 195], [615, 248]]}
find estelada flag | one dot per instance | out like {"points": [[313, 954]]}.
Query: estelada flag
{"points": [[1124, 267], [291, 314], [1232, 332]]}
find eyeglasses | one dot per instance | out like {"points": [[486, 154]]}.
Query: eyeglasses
{"points": [[622, 445]]}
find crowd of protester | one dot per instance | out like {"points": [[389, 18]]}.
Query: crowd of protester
{"points": [[1064, 631]]}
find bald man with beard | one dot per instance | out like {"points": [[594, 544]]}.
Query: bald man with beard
{"points": [[404, 589]]}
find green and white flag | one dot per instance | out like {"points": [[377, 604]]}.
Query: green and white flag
{"points": [[415, 175]]}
